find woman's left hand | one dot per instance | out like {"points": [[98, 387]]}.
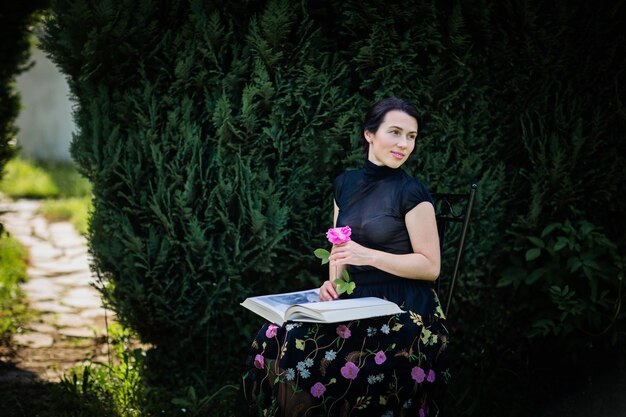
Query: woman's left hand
{"points": [[351, 253]]}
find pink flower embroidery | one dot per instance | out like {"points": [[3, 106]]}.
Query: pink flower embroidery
{"points": [[259, 360], [343, 331], [431, 376], [422, 413], [349, 370], [339, 234], [318, 390], [271, 331], [418, 374], [380, 357]]}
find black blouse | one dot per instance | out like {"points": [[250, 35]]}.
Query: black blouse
{"points": [[373, 201]]}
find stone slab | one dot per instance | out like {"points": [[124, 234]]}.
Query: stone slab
{"points": [[44, 251], [82, 298], [28, 241], [41, 289], [74, 252], [72, 320], [50, 268], [97, 313], [50, 307], [41, 328], [77, 332], [81, 278], [40, 227], [33, 340]]}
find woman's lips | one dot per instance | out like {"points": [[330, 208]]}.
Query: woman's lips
{"points": [[397, 155]]}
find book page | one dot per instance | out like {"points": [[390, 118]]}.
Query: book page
{"points": [[273, 307], [341, 304], [342, 310], [282, 301]]}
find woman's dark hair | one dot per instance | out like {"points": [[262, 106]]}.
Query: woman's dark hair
{"points": [[376, 115]]}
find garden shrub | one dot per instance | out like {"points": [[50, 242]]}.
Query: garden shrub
{"points": [[213, 141], [16, 21]]}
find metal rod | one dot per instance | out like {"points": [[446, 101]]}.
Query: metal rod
{"points": [[459, 252]]}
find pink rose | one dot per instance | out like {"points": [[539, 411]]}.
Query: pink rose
{"points": [[380, 357], [418, 374], [349, 370], [271, 331], [318, 390], [431, 376], [339, 234], [343, 331], [259, 360]]}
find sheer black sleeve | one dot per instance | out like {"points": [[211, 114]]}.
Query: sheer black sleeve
{"points": [[414, 192]]}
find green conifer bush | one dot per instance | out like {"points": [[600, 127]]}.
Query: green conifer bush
{"points": [[212, 135]]}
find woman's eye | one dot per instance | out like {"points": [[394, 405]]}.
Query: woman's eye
{"points": [[395, 132], [411, 137]]}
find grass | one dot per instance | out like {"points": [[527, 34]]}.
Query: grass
{"points": [[66, 193], [108, 389], [13, 259], [25, 178], [73, 209]]}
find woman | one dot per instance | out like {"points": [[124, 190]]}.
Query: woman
{"points": [[387, 366]]}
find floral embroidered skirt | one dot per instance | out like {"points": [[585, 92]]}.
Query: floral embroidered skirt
{"points": [[384, 366]]}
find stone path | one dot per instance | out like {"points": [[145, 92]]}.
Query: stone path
{"points": [[68, 326]]}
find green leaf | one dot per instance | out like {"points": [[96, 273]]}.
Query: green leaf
{"points": [[549, 228], [536, 241], [561, 242], [533, 253], [505, 281], [586, 227], [534, 276], [322, 254], [345, 275], [343, 286], [512, 275], [574, 264]]}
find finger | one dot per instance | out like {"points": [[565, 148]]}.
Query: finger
{"points": [[338, 247], [324, 293], [332, 292], [327, 296]]}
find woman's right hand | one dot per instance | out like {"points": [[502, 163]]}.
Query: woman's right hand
{"points": [[328, 291]]}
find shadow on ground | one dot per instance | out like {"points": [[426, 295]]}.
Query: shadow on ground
{"points": [[604, 395], [22, 394]]}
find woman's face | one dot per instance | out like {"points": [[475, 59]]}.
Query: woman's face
{"points": [[394, 140]]}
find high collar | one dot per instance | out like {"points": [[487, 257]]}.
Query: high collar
{"points": [[376, 172]]}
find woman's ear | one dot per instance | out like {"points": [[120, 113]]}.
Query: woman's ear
{"points": [[369, 136]]}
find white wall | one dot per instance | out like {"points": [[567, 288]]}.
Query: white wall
{"points": [[45, 121]]}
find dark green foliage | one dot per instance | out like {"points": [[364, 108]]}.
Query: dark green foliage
{"points": [[212, 132], [557, 77], [576, 275], [16, 20], [211, 165]]}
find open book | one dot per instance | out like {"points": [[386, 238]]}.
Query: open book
{"points": [[305, 306]]}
